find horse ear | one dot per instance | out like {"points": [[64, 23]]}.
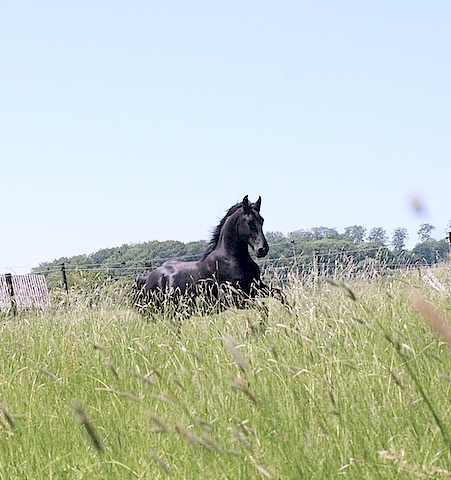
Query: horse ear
{"points": [[257, 204], [246, 203]]}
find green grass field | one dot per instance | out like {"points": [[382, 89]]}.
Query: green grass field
{"points": [[347, 380]]}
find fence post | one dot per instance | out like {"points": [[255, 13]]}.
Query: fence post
{"points": [[294, 250], [315, 264], [63, 271], [9, 283]]}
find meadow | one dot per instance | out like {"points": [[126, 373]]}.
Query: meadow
{"points": [[350, 379]]}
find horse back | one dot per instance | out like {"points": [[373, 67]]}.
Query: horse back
{"points": [[172, 275]]}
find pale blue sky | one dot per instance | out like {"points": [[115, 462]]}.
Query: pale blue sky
{"points": [[124, 122]]}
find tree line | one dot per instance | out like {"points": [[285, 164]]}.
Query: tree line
{"points": [[356, 244]]}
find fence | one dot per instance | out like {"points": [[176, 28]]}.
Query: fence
{"points": [[19, 292], [315, 264]]}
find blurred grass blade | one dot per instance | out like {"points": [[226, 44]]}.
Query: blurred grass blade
{"points": [[84, 420]]}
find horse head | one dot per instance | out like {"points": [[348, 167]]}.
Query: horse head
{"points": [[250, 227]]}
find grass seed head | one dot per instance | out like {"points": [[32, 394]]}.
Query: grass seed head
{"points": [[7, 415], [238, 357], [165, 467], [85, 421], [240, 384]]}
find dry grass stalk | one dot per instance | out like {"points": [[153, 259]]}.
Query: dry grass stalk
{"points": [[7, 415], [434, 283], [403, 465], [262, 470], [165, 397], [241, 438], [96, 345], [247, 430], [49, 374], [84, 420], [161, 463], [395, 377], [241, 384], [232, 347], [194, 354], [111, 366], [162, 427], [194, 439], [132, 397], [205, 424], [144, 378], [208, 440]]}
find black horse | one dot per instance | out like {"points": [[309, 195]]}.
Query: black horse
{"points": [[225, 266]]}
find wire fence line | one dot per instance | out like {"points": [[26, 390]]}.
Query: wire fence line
{"points": [[295, 256], [159, 260], [51, 267], [322, 261], [319, 263]]}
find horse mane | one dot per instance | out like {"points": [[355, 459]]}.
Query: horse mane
{"points": [[217, 231]]}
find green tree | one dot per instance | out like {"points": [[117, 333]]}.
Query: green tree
{"points": [[332, 233], [355, 233], [275, 237], [431, 251], [399, 238], [424, 232], [302, 236], [319, 232], [377, 234]]}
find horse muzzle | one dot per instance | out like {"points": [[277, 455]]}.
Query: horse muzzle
{"points": [[262, 251]]}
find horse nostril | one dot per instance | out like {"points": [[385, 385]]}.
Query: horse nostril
{"points": [[262, 251]]}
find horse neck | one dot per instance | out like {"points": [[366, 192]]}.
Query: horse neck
{"points": [[229, 241]]}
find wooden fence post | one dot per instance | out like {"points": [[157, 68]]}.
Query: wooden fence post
{"points": [[63, 271], [9, 283], [315, 264]]}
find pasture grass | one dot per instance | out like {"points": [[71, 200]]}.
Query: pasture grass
{"points": [[345, 380]]}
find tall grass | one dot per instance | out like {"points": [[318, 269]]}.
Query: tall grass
{"points": [[346, 379]]}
